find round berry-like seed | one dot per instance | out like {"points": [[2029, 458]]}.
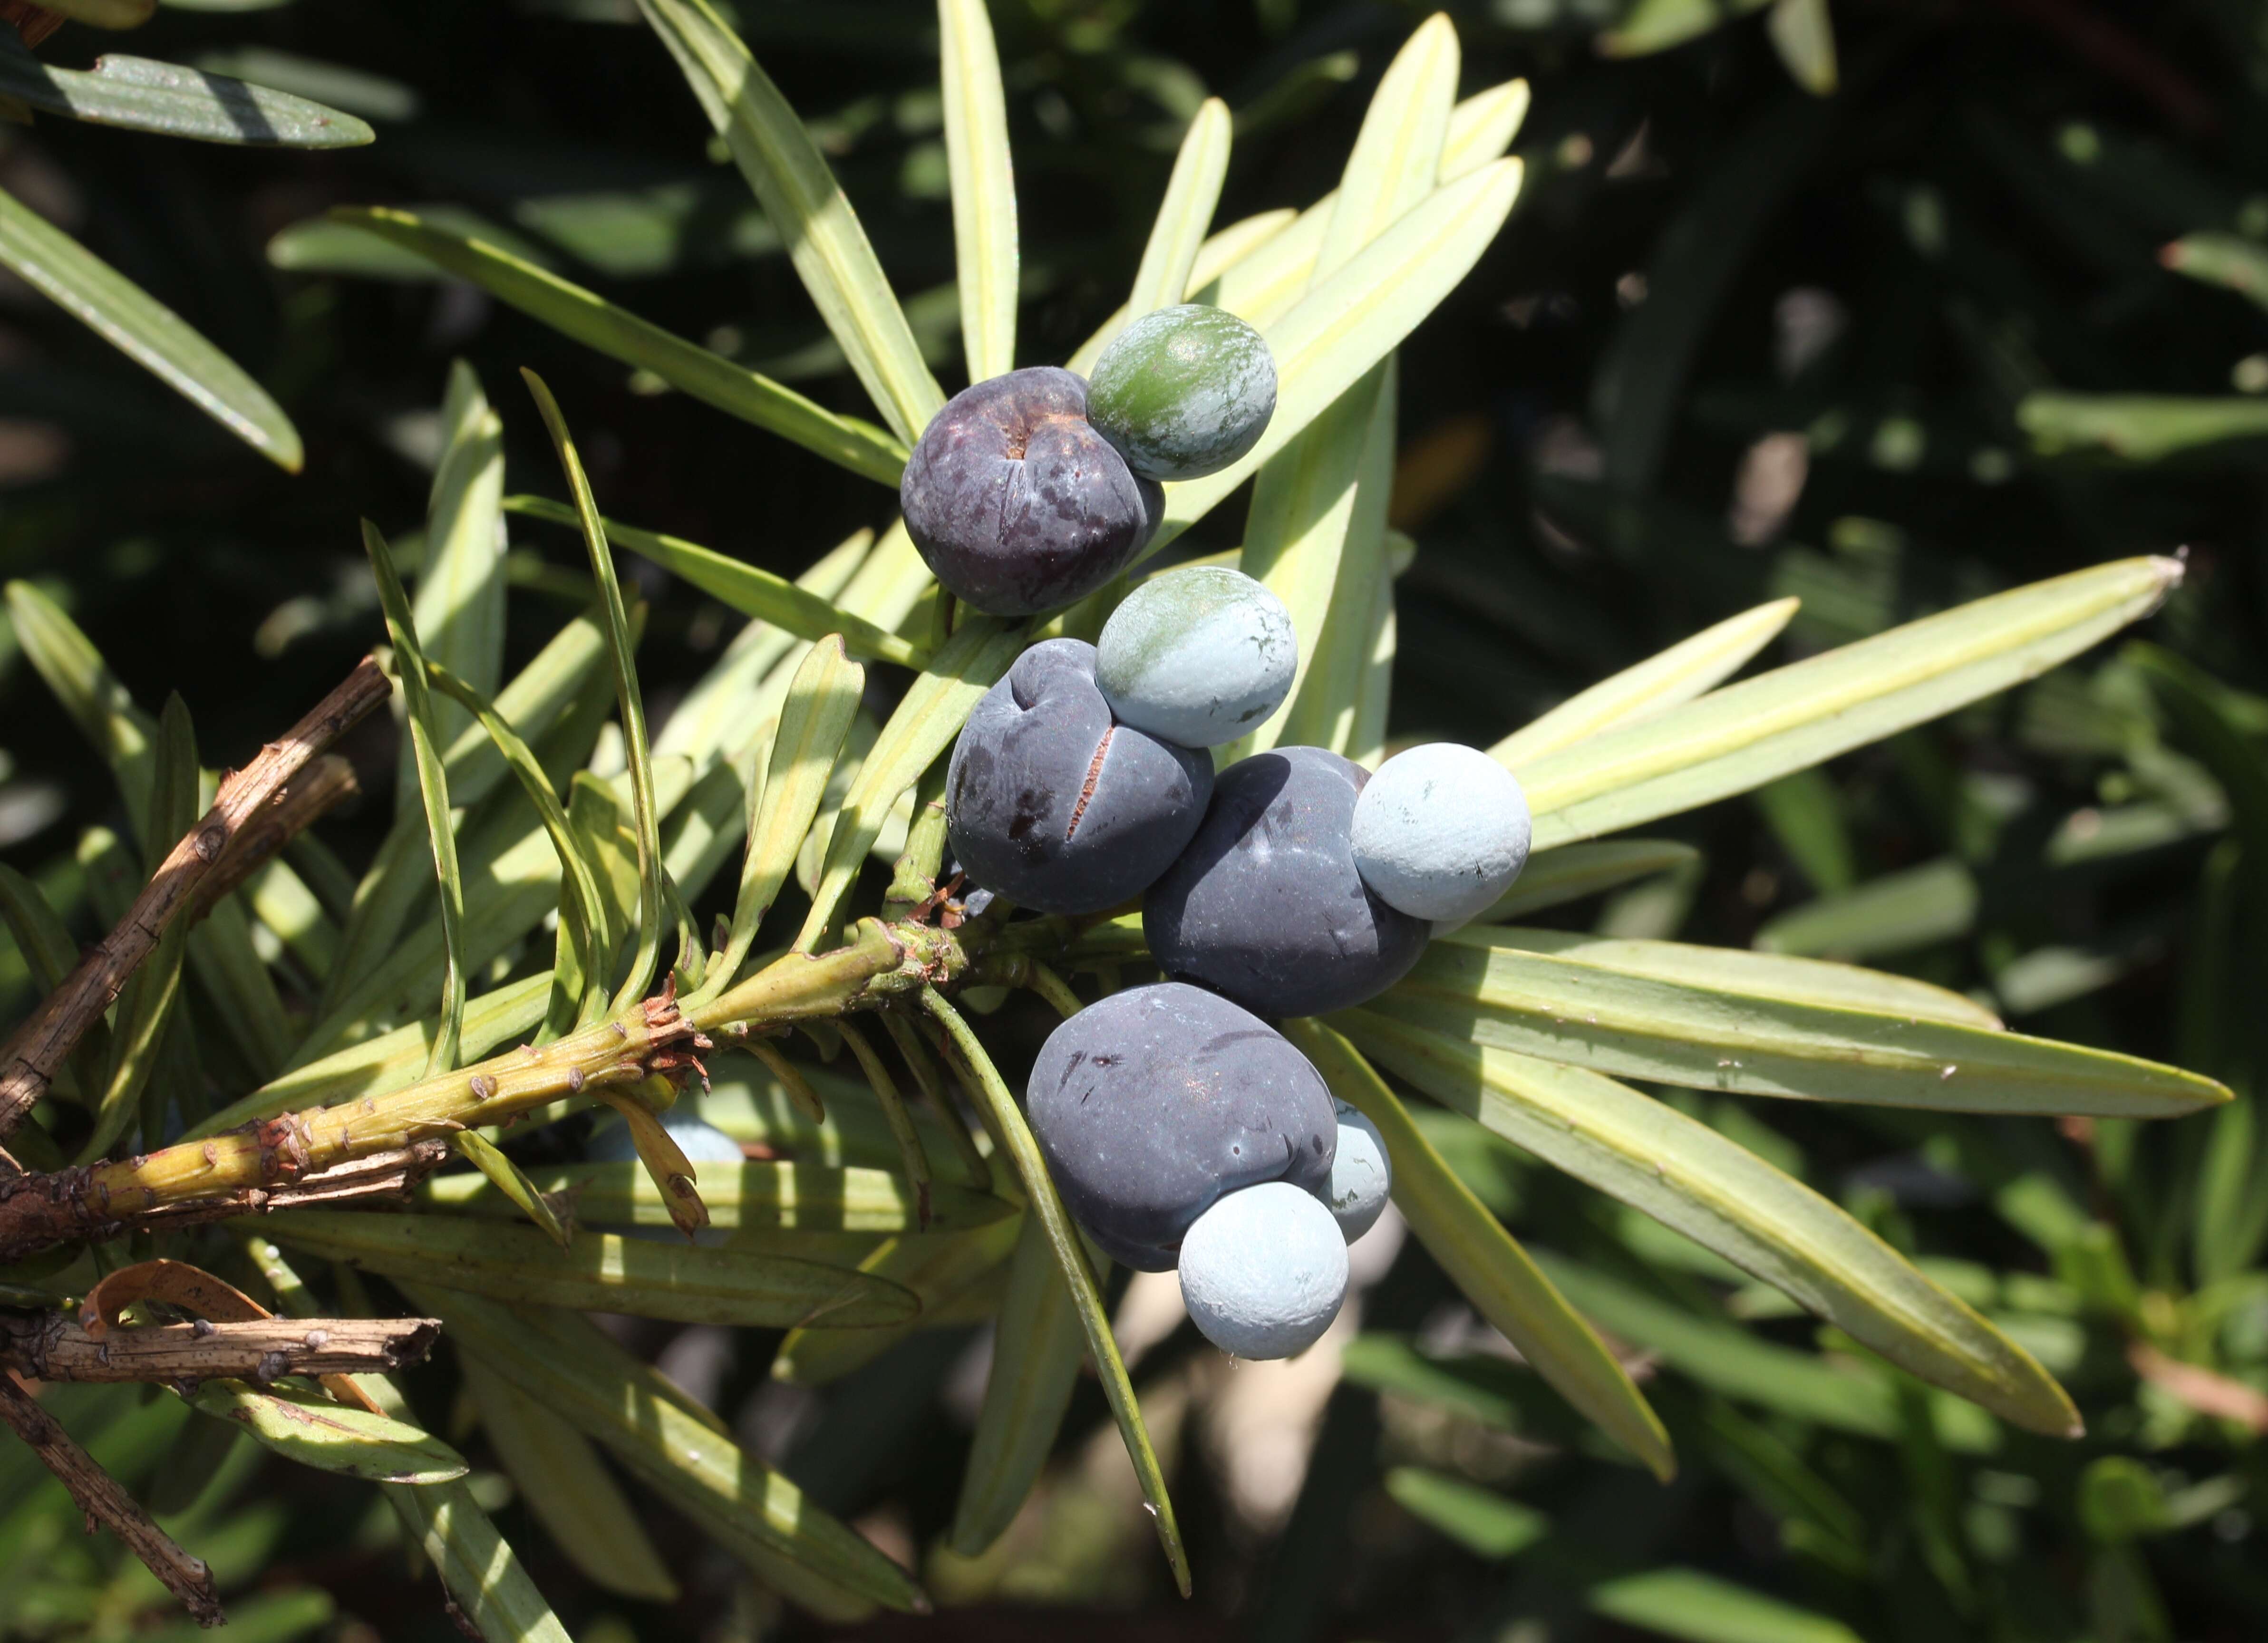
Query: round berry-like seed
{"points": [[1440, 831], [1264, 1272], [1362, 1177], [1199, 655], [1184, 392]]}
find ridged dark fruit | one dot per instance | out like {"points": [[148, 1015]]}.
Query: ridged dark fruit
{"points": [[1151, 1104], [1053, 803], [1017, 504], [1265, 905]]}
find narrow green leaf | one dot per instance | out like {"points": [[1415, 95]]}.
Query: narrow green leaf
{"points": [[477, 1565], [146, 330], [459, 610], [1841, 1393], [1803, 34], [1482, 126], [2232, 261], [379, 1066], [1696, 1181], [822, 702], [171, 101], [1653, 26], [1699, 1607], [621, 647], [584, 952], [1349, 321], [570, 1491], [747, 588], [598, 1272], [598, 324], [1503, 1285], [284, 904], [506, 1176], [276, 1616], [1331, 573], [146, 1006], [432, 784], [1789, 980], [1220, 252], [1037, 1349], [1678, 675], [570, 1367], [1192, 193], [1747, 733], [1303, 520], [1895, 913], [1397, 154], [983, 186], [2139, 427], [48, 951], [800, 195], [959, 1277], [1481, 1521], [310, 1429], [1574, 871], [1478, 989], [770, 1194], [1007, 1121], [927, 720]]}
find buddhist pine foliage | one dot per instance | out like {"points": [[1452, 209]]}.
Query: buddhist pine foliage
{"points": [[931, 1203]]}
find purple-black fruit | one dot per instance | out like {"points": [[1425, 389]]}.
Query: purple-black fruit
{"points": [[1265, 905], [1053, 803], [1151, 1104], [1017, 504]]}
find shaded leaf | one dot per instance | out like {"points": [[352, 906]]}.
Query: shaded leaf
{"points": [[620, 335], [826, 242], [310, 1429], [1503, 1285], [598, 1272], [145, 329], [169, 99]]}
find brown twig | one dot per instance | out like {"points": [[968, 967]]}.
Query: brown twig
{"points": [[50, 1346], [247, 797], [326, 781], [100, 1496], [59, 1206]]}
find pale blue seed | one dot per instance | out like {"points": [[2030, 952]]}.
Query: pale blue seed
{"points": [[1440, 831], [1361, 1176], [1264, 1271], [1197, 656], [1184, 392]]}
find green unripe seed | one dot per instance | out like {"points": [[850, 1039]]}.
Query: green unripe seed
{"points": [[1184, 392]]}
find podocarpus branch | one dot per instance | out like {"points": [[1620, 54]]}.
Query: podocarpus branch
{"points": [[50, 1346], [295, 1149], [36, 1049], [104, 1501]]}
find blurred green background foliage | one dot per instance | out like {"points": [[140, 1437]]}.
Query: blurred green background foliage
{"points": [[1888, 310]]}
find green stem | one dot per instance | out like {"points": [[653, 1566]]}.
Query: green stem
{"points": [[1055, 989]]}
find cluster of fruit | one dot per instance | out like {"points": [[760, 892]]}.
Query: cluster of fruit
{"points": [[1181, 1128]]}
